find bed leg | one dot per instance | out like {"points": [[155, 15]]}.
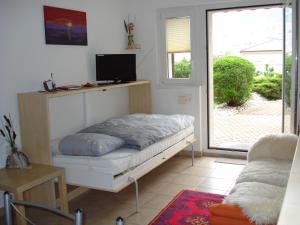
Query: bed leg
{"points": [[193, 151], [193, 154], [137, 205]]}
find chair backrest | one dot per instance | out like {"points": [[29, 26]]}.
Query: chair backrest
{"points": [[10, 204]]}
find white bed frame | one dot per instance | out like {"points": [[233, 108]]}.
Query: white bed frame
{"points": [[81, 175], [78, 176]]}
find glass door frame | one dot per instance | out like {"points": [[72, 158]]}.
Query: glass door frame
{"points": [[295, 65], [294, 121]]}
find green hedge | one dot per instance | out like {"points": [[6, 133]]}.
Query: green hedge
{"points": [[268, 87], [183, 69], [233, 79], [288, 67]]}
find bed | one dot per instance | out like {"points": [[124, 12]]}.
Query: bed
{"points": [[116, 170]]}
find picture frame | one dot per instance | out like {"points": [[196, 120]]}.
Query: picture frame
{"points": [[65, 26]]}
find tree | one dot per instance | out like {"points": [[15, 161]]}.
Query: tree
{"points": [[183, 69]]}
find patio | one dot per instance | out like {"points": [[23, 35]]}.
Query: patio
{"points": [[239, 128]]}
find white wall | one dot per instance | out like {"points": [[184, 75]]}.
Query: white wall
{"points": [[91, 108], [25, 59], [165, 99]]}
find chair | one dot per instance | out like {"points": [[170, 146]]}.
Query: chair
{"points": [[10, 204]]}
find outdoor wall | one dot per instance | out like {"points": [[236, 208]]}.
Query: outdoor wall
{"points": [[25, 59], [260, 59]]}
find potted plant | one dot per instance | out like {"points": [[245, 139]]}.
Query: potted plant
{"points": [[129, 28], [16, 158]]}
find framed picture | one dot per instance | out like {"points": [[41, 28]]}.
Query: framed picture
{"points": [[65, 26]]}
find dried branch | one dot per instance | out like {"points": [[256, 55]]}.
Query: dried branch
{"points": [[126, 26], [7, 121], [8, 132]]}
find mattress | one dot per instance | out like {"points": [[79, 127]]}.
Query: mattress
{"points": [[120, 160]]}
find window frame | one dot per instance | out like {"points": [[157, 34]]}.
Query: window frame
{"points": [[162, 16]]}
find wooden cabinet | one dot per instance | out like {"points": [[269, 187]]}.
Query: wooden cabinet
{"points": [[35, 127]]}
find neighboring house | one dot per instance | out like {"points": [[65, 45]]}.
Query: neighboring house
{"points": [[269, 52]]}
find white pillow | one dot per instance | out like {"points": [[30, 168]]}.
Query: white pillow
{"points": [[89, 144]]}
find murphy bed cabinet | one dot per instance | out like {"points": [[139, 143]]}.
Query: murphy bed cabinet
{"points": [[35, 127]]}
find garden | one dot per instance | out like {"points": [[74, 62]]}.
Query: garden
{"points": [[247, 103], [236, 78]]}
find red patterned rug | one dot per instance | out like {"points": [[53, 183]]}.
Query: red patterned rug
{"points": [[188, 207]]}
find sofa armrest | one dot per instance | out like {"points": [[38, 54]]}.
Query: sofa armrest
{"points": [[275, 146]]}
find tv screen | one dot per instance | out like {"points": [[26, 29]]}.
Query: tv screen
{"points": [[115, 67]]}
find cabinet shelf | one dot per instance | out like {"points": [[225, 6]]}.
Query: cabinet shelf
{"points": [[82, 90]]}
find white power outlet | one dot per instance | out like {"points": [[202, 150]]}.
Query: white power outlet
{"points": [[183, 99]]}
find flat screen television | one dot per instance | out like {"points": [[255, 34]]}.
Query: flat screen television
{"points": [[116, 67]]}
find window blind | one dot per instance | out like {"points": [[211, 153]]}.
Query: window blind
{"points": [[178, 35]]}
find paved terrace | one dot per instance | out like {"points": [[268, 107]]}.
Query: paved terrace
{"points": [[240, 127]]}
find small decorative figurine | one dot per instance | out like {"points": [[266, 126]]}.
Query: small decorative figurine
{"points": [[49, 85]]}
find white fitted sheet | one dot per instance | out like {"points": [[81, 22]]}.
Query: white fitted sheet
{"points": [[120, 160]]}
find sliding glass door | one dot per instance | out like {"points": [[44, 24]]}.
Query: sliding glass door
{"points": [[252, 82]]}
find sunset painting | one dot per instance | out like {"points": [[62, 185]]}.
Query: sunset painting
{"points": [[64, 26]]}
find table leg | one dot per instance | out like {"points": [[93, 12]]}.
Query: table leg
{"points": [[19, 219], [62, 188]]}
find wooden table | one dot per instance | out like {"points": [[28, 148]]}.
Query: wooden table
{"points": [[17, 181]]}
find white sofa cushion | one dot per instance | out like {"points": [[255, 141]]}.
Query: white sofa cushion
{"points": [[260, 202], [275, 172]]}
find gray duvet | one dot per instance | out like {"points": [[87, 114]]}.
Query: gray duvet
{"points": [[141, 130]]}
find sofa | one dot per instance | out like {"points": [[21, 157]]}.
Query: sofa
{"points": [[260, 188]]}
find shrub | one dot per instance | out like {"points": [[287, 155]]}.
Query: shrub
{"points": [[288, 69], [269, 71], [268, 87], [183, 69], [233, 79]]}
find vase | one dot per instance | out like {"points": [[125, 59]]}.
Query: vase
{"points": [[130, 44], [17, 159]]}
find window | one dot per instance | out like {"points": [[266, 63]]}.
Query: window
{"points": [[176, 45]]}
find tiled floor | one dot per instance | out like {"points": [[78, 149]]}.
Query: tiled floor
{"points": [[156, 191]]}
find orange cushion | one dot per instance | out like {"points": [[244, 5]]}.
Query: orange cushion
{"points": [[219, 220], [227, 214], [227, 210]]}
